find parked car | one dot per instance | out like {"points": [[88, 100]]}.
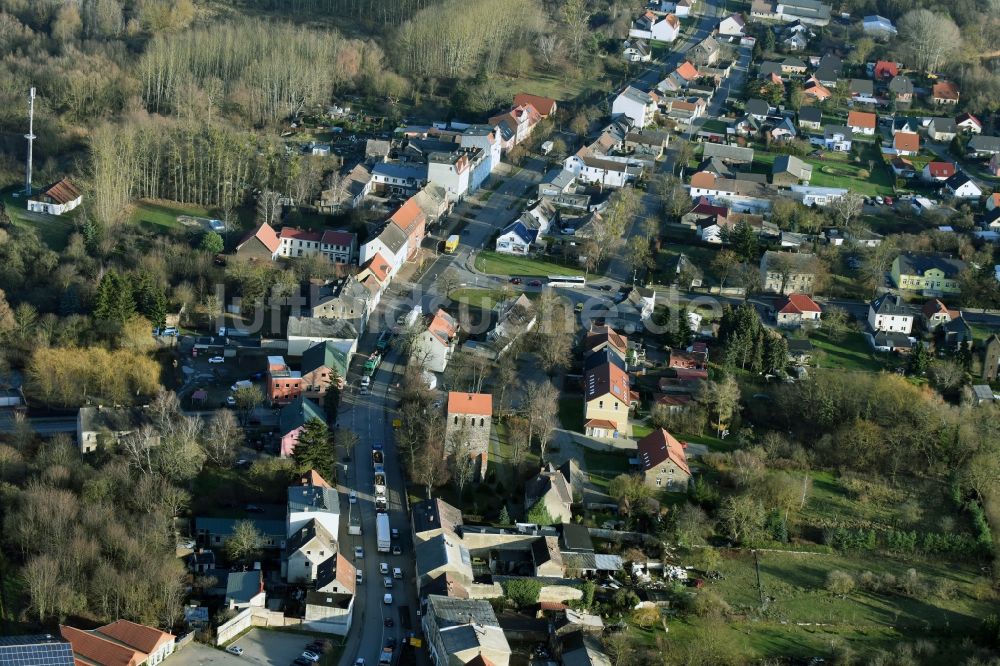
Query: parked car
{"points": [[359, 552], [383, 568], [169, 331], [231, 401], [233, 649], [396, 550], [311, 656], [359, 576], [216, 359], [387, 622], [353, 497], [515, 280]]}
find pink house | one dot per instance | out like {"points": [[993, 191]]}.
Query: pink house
{"points": [[292, 418]]}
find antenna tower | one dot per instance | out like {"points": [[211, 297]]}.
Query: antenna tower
{"points": [[30, 136]]}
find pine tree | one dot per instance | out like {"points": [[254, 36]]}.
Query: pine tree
{"points": [[504, 518], [314, 448], [115, 301], [920, 358]]}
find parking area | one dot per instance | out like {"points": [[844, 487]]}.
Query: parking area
{"points": [[272, 647]]}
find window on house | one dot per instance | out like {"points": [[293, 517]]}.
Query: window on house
{"points": [[456, 420], [482, 422], [658, 481], [600, 404]]}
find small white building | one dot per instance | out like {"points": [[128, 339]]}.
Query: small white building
{"points": [[516, 238], [878, 26], [819, 196], [56, 199], [732, 26], [662, 28], [636, 50], [433, 348], [961, 186], [605, 170], [637, 105]]}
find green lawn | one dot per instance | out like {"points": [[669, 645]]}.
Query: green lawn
{"points": [[480, 298], [162, 215], [839, 173], [53, 230], [494, 263], [602, 466], [850, 353], [559, 88]]}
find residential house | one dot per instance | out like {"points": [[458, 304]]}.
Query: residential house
{"points": [[433, 348], [636, 50], [658, 27], [815, 90], [811, 195], [758, 108], [811, 12], [884, 341], [686, 273], [901, 123], [993, 201], [984, 146], [412, 222], [961, 186], [705, 53], [121, 643], [878, 26], [994, 165], [647, 142], [732, 26], [516, 125], [40, 649], [862, 91], [245, 589], [345, 299], [942, 129], [728, 153], [305, 550], [452, 171], [440, 555], [260, 244], [782, 130], [469, 426], [885, 70], [580, 648], [935, 313], [798, 310], [304, 332], [323, 365], [102, 427], [637, 105], [329, 612], [938, 171], [968, 123], [516, 238], [944, 92], [553, 489], [398, 177], [215, 532], [545, 106], [314, 499], [862, 122], [955, 334], [607, 400], [901, 89], [283, 384], [891, 314], [769, 69], [793, 65], [829, 70], [56, 199], [664, 465], [810, 117], [787, 272], [392, 244], [838, 138], [375, 276], [796, 40], [434, 517], [605, 171], [634, 310], [601, 338], [516, 318], [902, 167], [789, 170], [679, 79], [292, 419], [906, 143], [546, 558], [686, 110], [930, 273], [463, 631]]}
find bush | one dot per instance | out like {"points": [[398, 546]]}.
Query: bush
{"points": [[522, 592], [840, 583], [708, 603]]}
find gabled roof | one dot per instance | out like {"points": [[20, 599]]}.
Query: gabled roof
{"points": [[393, 236], [901, 85], [758, 107], [862, 87], [906, 141], [296, 413], [312, 529], [311, 499], [265, 234], [320, 327], [605, 335], [687, 71], [479, 404], [943, 124], [799, 304], [519, 229], [443, 326], [936, 307], [337, 237], [435, 514], [659, 446], [958, 180], [891, 304], [36, 649], [941, 169], [294, 233], [968, 118], [62, 191], [944, 90], [138, 636], [810, 114], [242, 586], [313, 478], [984, 143], [379, 267], [607, 379], [336, 568], [325, 355], [862, 119], [885, 69], [93, 649], [545, 106], [409, 217]]}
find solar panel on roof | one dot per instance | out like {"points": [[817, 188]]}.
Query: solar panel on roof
{"points": [[35, 651]]}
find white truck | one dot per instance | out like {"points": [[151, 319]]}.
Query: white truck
{"points": [[382, 532]]}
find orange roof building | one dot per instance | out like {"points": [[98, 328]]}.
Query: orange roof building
{"points": [[602, 337], [412, 221], [862, 120], [664, 464], [433, 348], [121, 643], [262, 243], [545, 106], [906, 142], [687, 71], [476, 404], [945, 92]]}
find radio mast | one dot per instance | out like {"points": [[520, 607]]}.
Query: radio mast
{"points": [[30, 136]]}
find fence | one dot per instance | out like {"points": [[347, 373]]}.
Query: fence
{"points": [[253, 617]]}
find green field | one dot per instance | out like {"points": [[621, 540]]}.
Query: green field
{"points": [[162, 215], [850, 353], [845, 174], [494, 263], [602, 466], [559, 88]]}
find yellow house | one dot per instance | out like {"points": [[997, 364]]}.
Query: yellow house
{"points": [[931, 274], [606, 397]]}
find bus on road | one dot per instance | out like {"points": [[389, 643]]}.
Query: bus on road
{"points": [[567, 281], [451, 244]]}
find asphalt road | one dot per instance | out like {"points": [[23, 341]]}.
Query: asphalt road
{"points": [[370, 418]]}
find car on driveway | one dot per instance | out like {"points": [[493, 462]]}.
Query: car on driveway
{"points": [[217, 359], [233, 649]]}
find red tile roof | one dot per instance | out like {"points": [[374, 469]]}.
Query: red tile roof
{"points": [[862, 119], [886, 70], [346, 575], [101, 651], [139, 636], [967, 116], [659, 446], [703, 179], [545, 106], [993, 200], [601, 335], [62, 192], [344, 238], [906, 141], [379, 267], [601, 423], [313, 478], [605, 379], [443, 326], [266, 235], [293, 233], [480, 404], [815, 89], [673, 400], [941, 169], [944, 90], [799, 303], [408, 217], [687, 71]]}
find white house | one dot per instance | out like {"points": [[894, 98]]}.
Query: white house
{"points": [[306, 550], [56, 199], [607, 170], [245, 589], [308, 503], [451, 171], [732, 26], [891, 314], [962, 187], [433, 348], [516, 238], [838, 138], [635, 104], [337, 246], [636, 50], [663, 28], [397, 177], [391, 243]]}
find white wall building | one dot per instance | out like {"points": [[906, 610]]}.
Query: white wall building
{"points": [[891, 314]]}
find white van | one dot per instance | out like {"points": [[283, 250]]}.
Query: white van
{"points": [[397, 573]]}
